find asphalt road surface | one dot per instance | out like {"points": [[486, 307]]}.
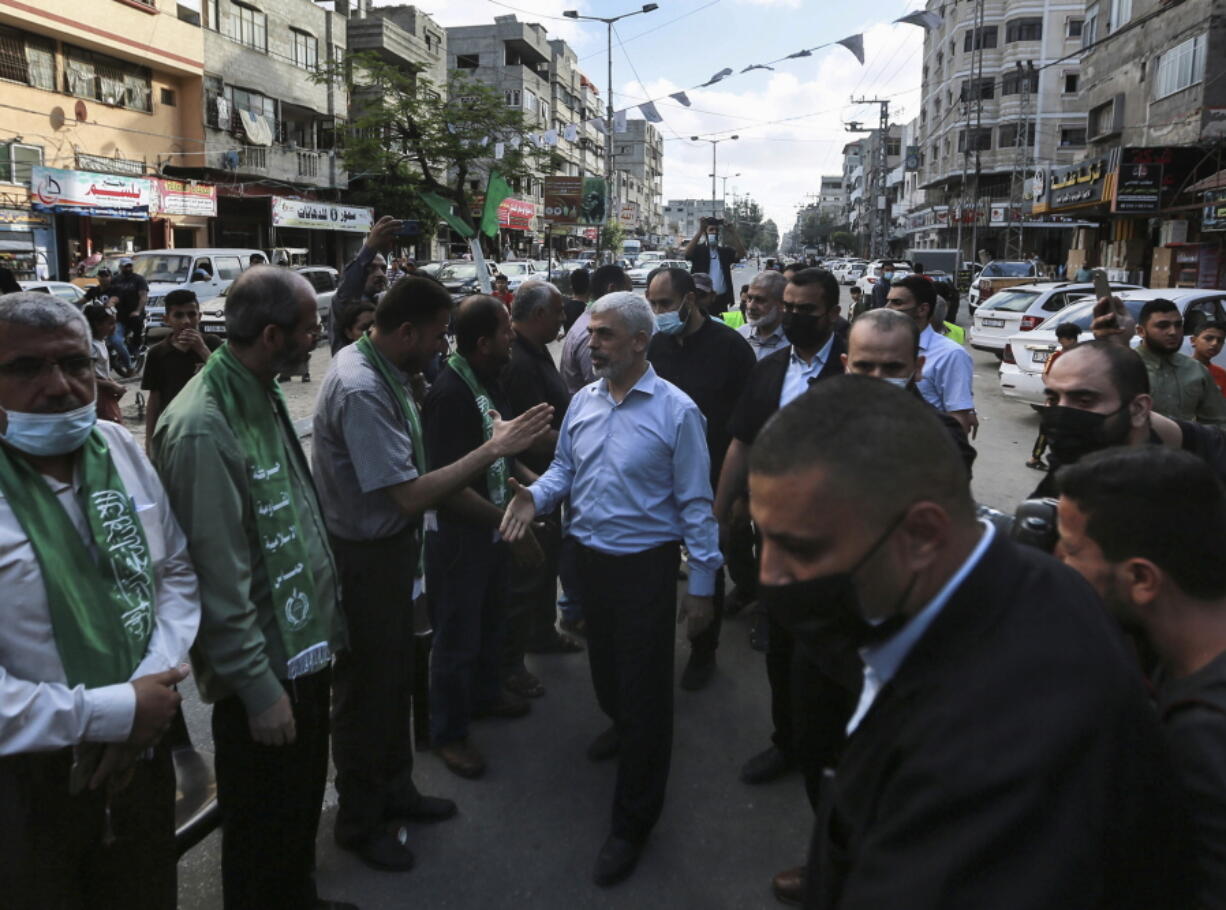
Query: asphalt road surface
{"points": [[528, 832]]}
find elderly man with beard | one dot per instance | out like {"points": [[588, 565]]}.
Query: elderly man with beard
{"points": [[239, 482], [763, 327], [632, 456], [100, 607]]}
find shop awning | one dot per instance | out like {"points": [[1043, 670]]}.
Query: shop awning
{"points": [[1214, 182]]}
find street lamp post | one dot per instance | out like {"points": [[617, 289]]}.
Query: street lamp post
{"points": [[724, 195], [714, 145], [608, 158]]}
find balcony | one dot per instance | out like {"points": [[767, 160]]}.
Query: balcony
{"points": [[304, 167]]}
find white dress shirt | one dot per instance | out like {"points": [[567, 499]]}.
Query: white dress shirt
{"points": [[38, 710], [767, 344], [948, 370], [882, 661], [796, 380], [717, 272]]}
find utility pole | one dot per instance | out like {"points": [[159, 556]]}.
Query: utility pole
{"points": [[880, 243], [1015, 233]]}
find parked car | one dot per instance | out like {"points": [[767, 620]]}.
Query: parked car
{"points": [[638, 276], [517, 273], [872, 273], [62, 289], [324, 279], [430, 268], [170, 270], [998, 275], [1022, 309], [1021, 371], [460, 277]]}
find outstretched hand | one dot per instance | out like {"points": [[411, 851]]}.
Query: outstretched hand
{"points": [[517, 519], [510, 437]]}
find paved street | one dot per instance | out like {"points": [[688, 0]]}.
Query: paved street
{"points": [[528, 832]]}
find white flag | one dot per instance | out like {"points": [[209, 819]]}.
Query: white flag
{"points": [[619, 121], [551, 138], [922, 18], [514, 142], [649, 112], [681, 98], [499, 150], [571, 132]]}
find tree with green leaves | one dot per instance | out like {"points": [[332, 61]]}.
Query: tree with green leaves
{"points": [[407, 136], [768, 236], [846, 241], [613, 235]]}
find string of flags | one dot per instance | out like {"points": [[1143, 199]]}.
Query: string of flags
{"points": [[853, 43]]}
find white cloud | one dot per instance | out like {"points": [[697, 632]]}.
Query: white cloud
{"points": [[780, 162]]}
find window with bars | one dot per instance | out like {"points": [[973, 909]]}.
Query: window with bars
{"points": [[1007, 135], [306, 49], [253, 103], [982, 37], [107, 79], [1027, 29], [28, 59], [1011, 82], [17, 162], [1072, 137], [250, 26]]}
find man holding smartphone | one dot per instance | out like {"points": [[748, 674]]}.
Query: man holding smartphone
{"points": [[708, 256]]}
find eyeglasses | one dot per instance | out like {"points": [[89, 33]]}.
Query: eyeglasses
{"points": [[30, 369]]}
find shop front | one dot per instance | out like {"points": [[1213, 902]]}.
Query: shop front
{"points": [[324, 233], [183, 209], [95, 214], [27, 244]]}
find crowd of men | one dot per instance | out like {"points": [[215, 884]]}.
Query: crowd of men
{"points": [[977, 724]]}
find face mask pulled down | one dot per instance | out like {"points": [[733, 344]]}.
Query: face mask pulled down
{"points": [[50, 434]]}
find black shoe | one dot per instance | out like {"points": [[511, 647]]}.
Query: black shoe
{"points": [[616, 860], [555, 644], [424, 809], [759, 633], [766, 766], [604, 746], [285, 377], [698, 670], [386, 851]]}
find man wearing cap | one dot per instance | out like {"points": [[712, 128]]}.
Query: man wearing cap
{"points": [[704, 293], [129, 294]]}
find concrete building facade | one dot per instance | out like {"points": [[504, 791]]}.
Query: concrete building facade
{"points": [[683, 216], [638, 162]]}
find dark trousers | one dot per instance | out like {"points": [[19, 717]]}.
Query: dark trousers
{"points": [[741, 559], [270, 798], [372, 684], [56, 851], [824, 692], [532, 611], [630, 606], [467, 579]]}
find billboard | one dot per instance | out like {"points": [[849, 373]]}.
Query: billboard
{"points": [[85, 193], [320, 216], [574, 200]]}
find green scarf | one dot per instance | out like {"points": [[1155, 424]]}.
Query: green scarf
{"points": [[245, 402], [496, 474], [411, 417], [101, 606]]}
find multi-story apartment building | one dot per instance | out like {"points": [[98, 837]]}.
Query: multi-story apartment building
{"points": [[832, 198], [638, 162], [997, 74], [871, 192], [403, 36], [853, 183], [682, 217], [100, 99]]}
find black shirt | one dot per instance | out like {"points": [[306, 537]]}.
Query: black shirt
{"points": [[530, 379], [98, 294], [573, 308], [712, 366], [167, 369], [451, 422], [760, 399], [128, 289]]}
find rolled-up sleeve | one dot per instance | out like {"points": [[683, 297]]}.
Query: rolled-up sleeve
{"points": [[692, 489], [554, 485]]}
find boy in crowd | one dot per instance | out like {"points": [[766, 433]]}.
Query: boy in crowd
{"points": [[1207, 344], [169, 364]]}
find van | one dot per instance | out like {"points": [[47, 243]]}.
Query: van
{"points": [[206, 271]]}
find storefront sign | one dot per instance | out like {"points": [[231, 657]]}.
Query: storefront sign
{"points": [[178, 197], [1088, 183], [1213, 216], [21, 220], [513, 214], [574, 200], [320, 216], [629, 214], [86, 193], [1139, 188]]}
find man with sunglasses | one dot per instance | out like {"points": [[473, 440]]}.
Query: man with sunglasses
{"points": [[100, 606], [1181, 387]]}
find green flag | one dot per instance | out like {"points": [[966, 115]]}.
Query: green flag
{"points": [[495, 191], [442, 208]]}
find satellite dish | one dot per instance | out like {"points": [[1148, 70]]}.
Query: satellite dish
{"points": [[57, 118], [81, 111]]}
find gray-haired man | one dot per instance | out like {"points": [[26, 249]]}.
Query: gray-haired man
{"points": [[632, 456]]}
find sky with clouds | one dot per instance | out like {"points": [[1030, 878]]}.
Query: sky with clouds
{"points": [[790, 121]]}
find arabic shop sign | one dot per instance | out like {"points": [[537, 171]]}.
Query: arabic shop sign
{"points": [[1139, 188], [320, 216], [86, 193], [1086, 183], [1213, 217], [180, 197]]}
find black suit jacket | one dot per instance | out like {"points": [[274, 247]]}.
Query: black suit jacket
{"points": [[1014, 761], [760, 400]]}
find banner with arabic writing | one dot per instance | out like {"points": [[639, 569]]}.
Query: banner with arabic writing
{"points": [[320, 216], [86, 193]]}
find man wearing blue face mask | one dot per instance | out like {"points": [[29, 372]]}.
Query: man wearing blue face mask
{"points": [[708, 255], [1002, 751], [710, 362], [100, 606], [881, 288]]}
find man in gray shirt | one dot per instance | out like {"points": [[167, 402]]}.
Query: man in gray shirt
{"points": [[576, 366], [374, 487]]}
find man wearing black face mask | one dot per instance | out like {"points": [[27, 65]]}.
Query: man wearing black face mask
{"points": [[999, 720], [1098, 397], [810, 308]]}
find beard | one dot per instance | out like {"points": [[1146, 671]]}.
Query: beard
{"points": [[612, 369], [290, 356]]}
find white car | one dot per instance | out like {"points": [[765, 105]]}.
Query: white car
{"points": [[61, 289], [1021, 371], [517, 273], [638, 276], [1023, 308], [872, 274]]}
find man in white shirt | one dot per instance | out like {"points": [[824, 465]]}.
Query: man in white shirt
{"points": [[101, 605], [948, 368], [707, 254], [763, 327]]}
